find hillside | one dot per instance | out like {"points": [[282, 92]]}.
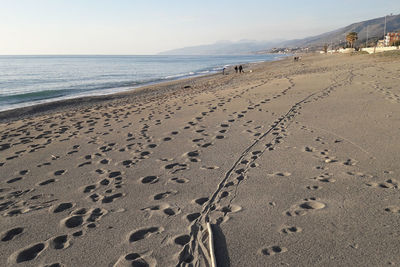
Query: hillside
{"points": [[375, 32], [223, 48]]}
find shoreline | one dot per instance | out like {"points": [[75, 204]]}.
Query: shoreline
{"points": [[140, 91]]}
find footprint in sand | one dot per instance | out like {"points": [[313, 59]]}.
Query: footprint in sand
{"points": [[82, 216], [305, 207], [230, 209], [179, 180], [89, 188], [78, 233], [224, 194], [94, 197], [193, 156], [104, 182], [111, 198], [254, 165], [11, 234], [350, 162], [63, 207], [162, 209], [114, 174], [46, 182], [388, 184], [151, 145], [313, 187], [290, 229], [57, 264], [309, 149], [280, 174], [359, 174], [59, 172], [193, 216], [164, 195], [4, 146], [13, 180], [28, 254], [182, 240], [176, 167], [197, 140], [73, 221], [144, 233], [206, 145], [229, 184], [201, 201], [149, 179], [100, 171], [84, 164], [136, 260], [127, 163], [325, 178], [104, 161], [393, 209], [224, 125], [144, 155], [23, 172], [209, 167], [273, 250], [60, 242]]}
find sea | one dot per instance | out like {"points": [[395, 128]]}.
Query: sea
{"points": [[31, 80]]}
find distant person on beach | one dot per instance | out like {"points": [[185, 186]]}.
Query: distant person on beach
{"points": [[223, 71], [236, 69], [241, 69]]}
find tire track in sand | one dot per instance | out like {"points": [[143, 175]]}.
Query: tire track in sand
{"points": [[195, 250]]}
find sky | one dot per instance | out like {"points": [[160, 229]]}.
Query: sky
{"points": [[136, 27]]}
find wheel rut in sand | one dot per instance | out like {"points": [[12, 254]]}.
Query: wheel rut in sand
{"points": [[195, 248]]}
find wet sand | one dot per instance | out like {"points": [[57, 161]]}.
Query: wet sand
{"points": [[293, 163]]}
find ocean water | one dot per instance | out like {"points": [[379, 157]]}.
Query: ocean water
{"points": [[30, 80]]}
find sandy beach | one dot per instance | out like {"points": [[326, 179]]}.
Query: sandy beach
{"points": [[291, 163]]}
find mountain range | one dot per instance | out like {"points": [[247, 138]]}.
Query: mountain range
{"points": [[224, 48], [374, 27]]}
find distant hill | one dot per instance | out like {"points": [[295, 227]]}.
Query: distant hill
{"points": [[375, 32], [223, 48]]}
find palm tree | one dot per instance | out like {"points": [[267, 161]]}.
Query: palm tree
{"points": [[351, 38]]}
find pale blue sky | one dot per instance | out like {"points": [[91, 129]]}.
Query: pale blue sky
{"points": [[151, 26]]}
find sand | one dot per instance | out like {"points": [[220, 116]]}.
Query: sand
{"points": [[293, 163]]}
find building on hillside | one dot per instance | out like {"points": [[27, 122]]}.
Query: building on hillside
{"points": [[381, 43], [392, 37]]}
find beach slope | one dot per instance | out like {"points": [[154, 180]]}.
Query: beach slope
{"points": [[291, 163]]}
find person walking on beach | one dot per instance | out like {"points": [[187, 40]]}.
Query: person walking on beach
{"points": [[241, 69], [236, 69], [223, 71]]}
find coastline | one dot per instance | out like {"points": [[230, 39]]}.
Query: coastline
{"points": [[294, 163], [140, 92]]}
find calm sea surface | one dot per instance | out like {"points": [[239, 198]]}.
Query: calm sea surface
{"points": [[30, 80]]}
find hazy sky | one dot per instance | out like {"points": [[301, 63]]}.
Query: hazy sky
{"points": [[151, 26]]}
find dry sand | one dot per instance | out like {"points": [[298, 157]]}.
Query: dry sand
{"points": [[295, 163]]}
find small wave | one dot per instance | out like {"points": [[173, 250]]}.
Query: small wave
{"points": [[32, 96], [176, 76], [204, 72]]}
